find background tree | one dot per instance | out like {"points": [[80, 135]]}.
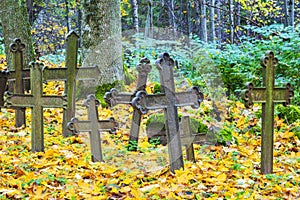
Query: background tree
{"points": [[135, 15], [203, 25], [101, 38], [212, 20], [15, 24]]}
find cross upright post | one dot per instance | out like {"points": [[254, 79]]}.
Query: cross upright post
{"points": [[70, 74], [169, 100], [93, 126], [36, 101], [114, 97], [268, 95]]}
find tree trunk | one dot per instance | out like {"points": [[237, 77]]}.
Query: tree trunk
{"points": [[292, 13], [203, 29], [15, 24], [212, 21], [286, 13], [135, 15], [231, 20], [171, 15], [219, 27], [101, 39]]}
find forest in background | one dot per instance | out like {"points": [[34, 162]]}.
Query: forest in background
{"points": [[233, 34]]}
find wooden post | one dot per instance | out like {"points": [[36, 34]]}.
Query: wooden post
{"points": [[70, 74], [36, 101], [93, 126], [113, 98], [169, 100], [268, 95]]}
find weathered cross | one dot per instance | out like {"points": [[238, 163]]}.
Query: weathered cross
{"points": [[17, 76], [37, 101], [3, 85], [70, 74], [114, 97], [268, 95], [169, 100], [188, 139], [93, 126]]}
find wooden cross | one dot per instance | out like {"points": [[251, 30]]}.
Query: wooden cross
{"points": [[268, 95], [188, 139], [3, 85], [114, 97], [70, 74], [169, 100], [93, 126], [36, 101], [17, 76]]}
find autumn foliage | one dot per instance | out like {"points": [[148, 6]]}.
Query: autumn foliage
{"points": [[65, 170]]}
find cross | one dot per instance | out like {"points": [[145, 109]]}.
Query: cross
{"points": [[70, 74], [188, 139], [268, 95], [17, 75], [36, 101], [169, 100], [3, 85], [114, 97], [93, 126]]}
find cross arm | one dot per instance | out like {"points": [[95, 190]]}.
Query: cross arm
{"points": [[18, 100], [54, 101], [144, 102], [25, 74], [55, 73], [77, 126], [113, 97], [193, 138], [280, 95]]}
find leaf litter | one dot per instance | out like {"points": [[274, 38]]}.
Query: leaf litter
{"points": [[65, 170]]}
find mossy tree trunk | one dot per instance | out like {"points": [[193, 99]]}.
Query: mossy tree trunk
{"points": [[101, 39], [15, 24]]}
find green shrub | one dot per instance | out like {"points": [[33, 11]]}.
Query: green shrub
{"points": [[289, 113]]}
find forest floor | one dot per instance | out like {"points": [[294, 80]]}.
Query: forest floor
{"points": [[65, 170]]}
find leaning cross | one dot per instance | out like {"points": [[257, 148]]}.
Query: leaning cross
{"points": [[268, 95], [93, 126], [37, 101], [169, 101], [70, 74], [113, 98], [188, 139], [17, 75]]}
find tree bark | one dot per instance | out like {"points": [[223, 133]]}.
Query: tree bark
{"points": [[231, 20], [219, 27], [135, 15], [171, 15], [292, 13], [15, 24], [286, 13], [212, 21], [203, 29], [101, 39]]}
